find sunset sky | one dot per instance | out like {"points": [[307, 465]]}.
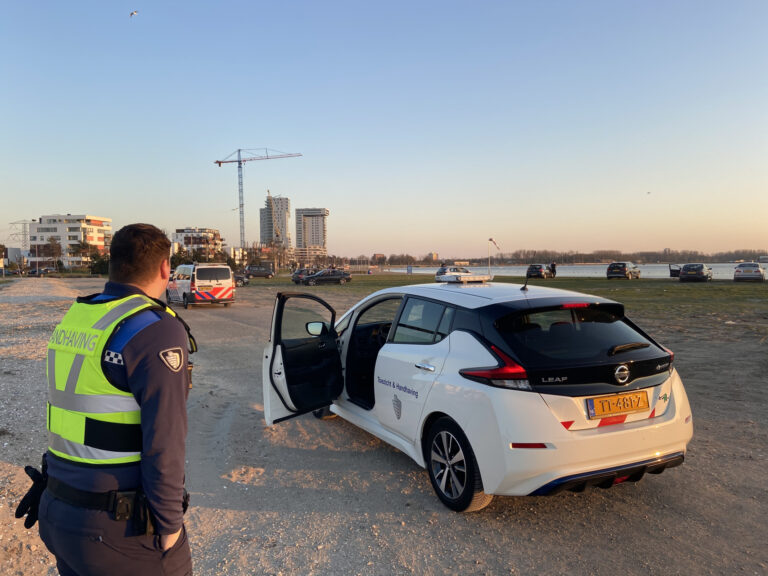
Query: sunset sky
{"points": [[424, 126]]}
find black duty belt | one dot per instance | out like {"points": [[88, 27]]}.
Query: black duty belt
{"points": [[120, 504]]}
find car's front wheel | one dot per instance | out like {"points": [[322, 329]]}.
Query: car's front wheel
{"points": [[311, 282], [453, 469], [185, 301]]}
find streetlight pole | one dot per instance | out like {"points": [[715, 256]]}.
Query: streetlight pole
{"points": [[491, 241]]}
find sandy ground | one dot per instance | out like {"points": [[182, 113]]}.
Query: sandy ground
{"points": [[323, 497]]}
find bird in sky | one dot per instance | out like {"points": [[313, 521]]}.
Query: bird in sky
{"points": [[133, 13]]}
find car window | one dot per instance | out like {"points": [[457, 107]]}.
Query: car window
{"points": [[384, 311], [419, 322], [297, 313], [558, 337], [209, 274]]}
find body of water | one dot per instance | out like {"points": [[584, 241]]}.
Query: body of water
{"points": [[720, 271]]}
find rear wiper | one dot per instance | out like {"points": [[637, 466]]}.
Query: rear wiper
{"points": [[624, 347]]}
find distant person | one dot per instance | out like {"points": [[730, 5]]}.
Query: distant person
{"points": [[111, 494], [553, 269]]}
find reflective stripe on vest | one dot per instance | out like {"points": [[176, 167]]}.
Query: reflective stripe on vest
{"points": [[89, 420]]}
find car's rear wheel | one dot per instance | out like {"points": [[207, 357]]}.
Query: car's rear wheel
{"points": [[453, 469], [342, 280], [311, 282], [186, 301]]}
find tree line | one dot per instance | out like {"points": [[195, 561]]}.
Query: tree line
{"points": [[524, 257]]}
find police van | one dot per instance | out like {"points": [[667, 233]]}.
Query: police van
{"points": [[201, 283]]}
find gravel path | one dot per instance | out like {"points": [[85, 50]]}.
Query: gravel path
{"points": [[323, 497]]}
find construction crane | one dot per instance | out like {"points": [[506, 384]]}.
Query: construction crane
{"points": [[267, 155]]}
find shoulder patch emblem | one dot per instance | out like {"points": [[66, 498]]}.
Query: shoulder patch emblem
{"points": [[113, 357], [172, 358]]}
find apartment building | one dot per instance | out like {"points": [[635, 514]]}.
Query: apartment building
{"points": [[206, 241], [311, 234], [69, 238], [275, 221]]}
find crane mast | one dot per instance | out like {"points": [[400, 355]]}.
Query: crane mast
{"points": [[240, 160]]}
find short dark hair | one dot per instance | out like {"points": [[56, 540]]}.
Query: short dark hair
{"points": [[136, 252]]}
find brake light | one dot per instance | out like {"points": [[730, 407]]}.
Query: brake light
{"points": [[509, 374], [671, 354], [191, 285], [568, 305]]}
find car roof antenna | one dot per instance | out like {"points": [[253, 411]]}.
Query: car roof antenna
{"points": [[525, 286]]}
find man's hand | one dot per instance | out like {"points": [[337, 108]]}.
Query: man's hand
{"points": [[31, 501], [168, 540]]}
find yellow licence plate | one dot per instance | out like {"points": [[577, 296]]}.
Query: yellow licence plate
{"points": [[602, 406]]}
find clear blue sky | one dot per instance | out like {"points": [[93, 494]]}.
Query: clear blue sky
{"points": [[424, 125]]}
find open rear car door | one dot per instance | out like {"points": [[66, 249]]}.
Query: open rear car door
{"points": [[301, 371]]}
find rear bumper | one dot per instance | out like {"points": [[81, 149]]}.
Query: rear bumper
{"points": [[208, 298], [610, 476]]}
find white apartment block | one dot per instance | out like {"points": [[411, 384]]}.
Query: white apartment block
{"points": [[311, 234], [275, 221], [207, 241], [71, 231]]}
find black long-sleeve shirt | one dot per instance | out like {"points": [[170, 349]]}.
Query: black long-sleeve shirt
{"points": [[146, 344]]}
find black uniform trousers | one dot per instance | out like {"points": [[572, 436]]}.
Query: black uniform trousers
{"points": [[90, 543]]}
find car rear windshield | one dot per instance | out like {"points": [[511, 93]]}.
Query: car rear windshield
{"points": [[558, 337], [693, 267], [213, 274], [617, 265]]}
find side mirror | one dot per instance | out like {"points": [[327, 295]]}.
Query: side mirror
{"points": [[317, 328]]}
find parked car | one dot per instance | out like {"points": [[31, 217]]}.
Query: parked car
{"points": [[40, 271], [538, 271], [298, 276], [492, 389], [626, 270], [241, 280], [695, 273], [327, 276], [258, 272], [201, 283], [749, 271], [674, 270], [450, 271]]}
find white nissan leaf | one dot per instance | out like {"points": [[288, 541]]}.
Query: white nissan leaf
{"points": [[493, 388]]}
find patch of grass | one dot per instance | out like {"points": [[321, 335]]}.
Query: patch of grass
{"points": [[646, 298]]}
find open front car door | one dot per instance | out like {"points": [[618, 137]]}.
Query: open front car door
{"points": [[302, 366]]}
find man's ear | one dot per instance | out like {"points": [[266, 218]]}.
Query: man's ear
{"points": [[165, 269]]}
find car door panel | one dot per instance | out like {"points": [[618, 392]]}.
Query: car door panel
{"points": [[301, 370], [404, 376]]}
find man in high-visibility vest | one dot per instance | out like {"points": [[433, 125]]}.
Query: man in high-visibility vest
{"points": [[110, 497]]}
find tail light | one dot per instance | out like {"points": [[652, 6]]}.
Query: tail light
{"points": [[508, 374], [671, 355], [191, 285]]}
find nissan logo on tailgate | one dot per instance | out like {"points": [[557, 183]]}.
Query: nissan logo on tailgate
{"points": [[622, 374]]}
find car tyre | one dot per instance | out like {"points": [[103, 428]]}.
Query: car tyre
{"points": [[342, 280], [452, 468], [185, 301], [311, 282]]}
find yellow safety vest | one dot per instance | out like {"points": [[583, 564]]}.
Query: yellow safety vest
{"points": [[89, 419]]}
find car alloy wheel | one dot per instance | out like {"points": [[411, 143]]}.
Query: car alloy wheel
{"points": [[452, 468]]}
